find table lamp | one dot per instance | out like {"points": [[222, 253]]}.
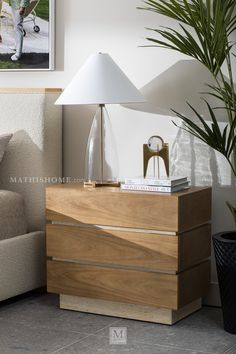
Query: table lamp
{"points": [[100, 81]]}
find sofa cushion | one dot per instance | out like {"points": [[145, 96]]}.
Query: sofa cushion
{"points": [[4, 140], [12, 215]]}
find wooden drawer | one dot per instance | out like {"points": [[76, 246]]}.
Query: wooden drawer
{"points": [[129, 249], [129, 286], [176, 212]]}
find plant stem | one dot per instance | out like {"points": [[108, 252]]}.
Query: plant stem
{"points": [[229, 66], [232, 167], [229, 101], [223, 92]]}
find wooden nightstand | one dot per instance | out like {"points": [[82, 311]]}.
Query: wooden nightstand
{"points": [[128, 254]]}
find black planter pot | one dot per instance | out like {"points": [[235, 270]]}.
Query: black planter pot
{"points": [[225, 253]]}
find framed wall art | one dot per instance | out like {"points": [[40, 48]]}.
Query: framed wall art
{"points": [[27, 35]]}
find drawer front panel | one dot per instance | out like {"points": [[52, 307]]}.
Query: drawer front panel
{"points": [[132, 249], [101, 206], [113, 284], [129, 286], [112, 207]]}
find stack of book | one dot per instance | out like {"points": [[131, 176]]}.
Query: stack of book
{"points": [[165, 184]]}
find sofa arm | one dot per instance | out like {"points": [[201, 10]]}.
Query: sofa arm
{"points": [[22, 264], [12, 215]]}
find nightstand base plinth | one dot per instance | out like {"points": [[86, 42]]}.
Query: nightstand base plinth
{"points": [[125, 310]]}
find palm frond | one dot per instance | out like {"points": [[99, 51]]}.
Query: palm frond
{"points": [[211, 22]]}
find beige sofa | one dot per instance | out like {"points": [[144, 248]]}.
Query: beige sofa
{"points": [[33, 155]]}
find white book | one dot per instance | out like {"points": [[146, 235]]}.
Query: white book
{"points": [[163, 181], [145, 188]]}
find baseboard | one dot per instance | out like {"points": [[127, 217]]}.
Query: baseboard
{"points": [[35, 292], [213, 297]]}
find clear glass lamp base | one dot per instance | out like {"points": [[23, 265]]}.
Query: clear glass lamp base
{"points": [[101, 162]]}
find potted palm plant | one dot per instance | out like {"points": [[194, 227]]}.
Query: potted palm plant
{"points": [[206, 29]]}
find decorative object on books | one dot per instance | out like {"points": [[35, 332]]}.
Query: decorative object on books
{"points": [[206, 28], [100, 81], [155, 148]]}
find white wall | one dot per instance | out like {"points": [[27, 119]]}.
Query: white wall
{"points": [[117, 27]]}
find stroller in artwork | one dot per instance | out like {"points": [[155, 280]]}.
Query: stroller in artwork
{"points": [[31, 15]]}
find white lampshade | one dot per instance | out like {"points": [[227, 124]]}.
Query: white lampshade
{"points": [[100, 81]]}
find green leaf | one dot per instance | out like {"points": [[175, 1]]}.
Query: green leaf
{"points": [[211, 22]]}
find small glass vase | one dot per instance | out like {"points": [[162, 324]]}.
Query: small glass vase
{"points": [[101, 162]]}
